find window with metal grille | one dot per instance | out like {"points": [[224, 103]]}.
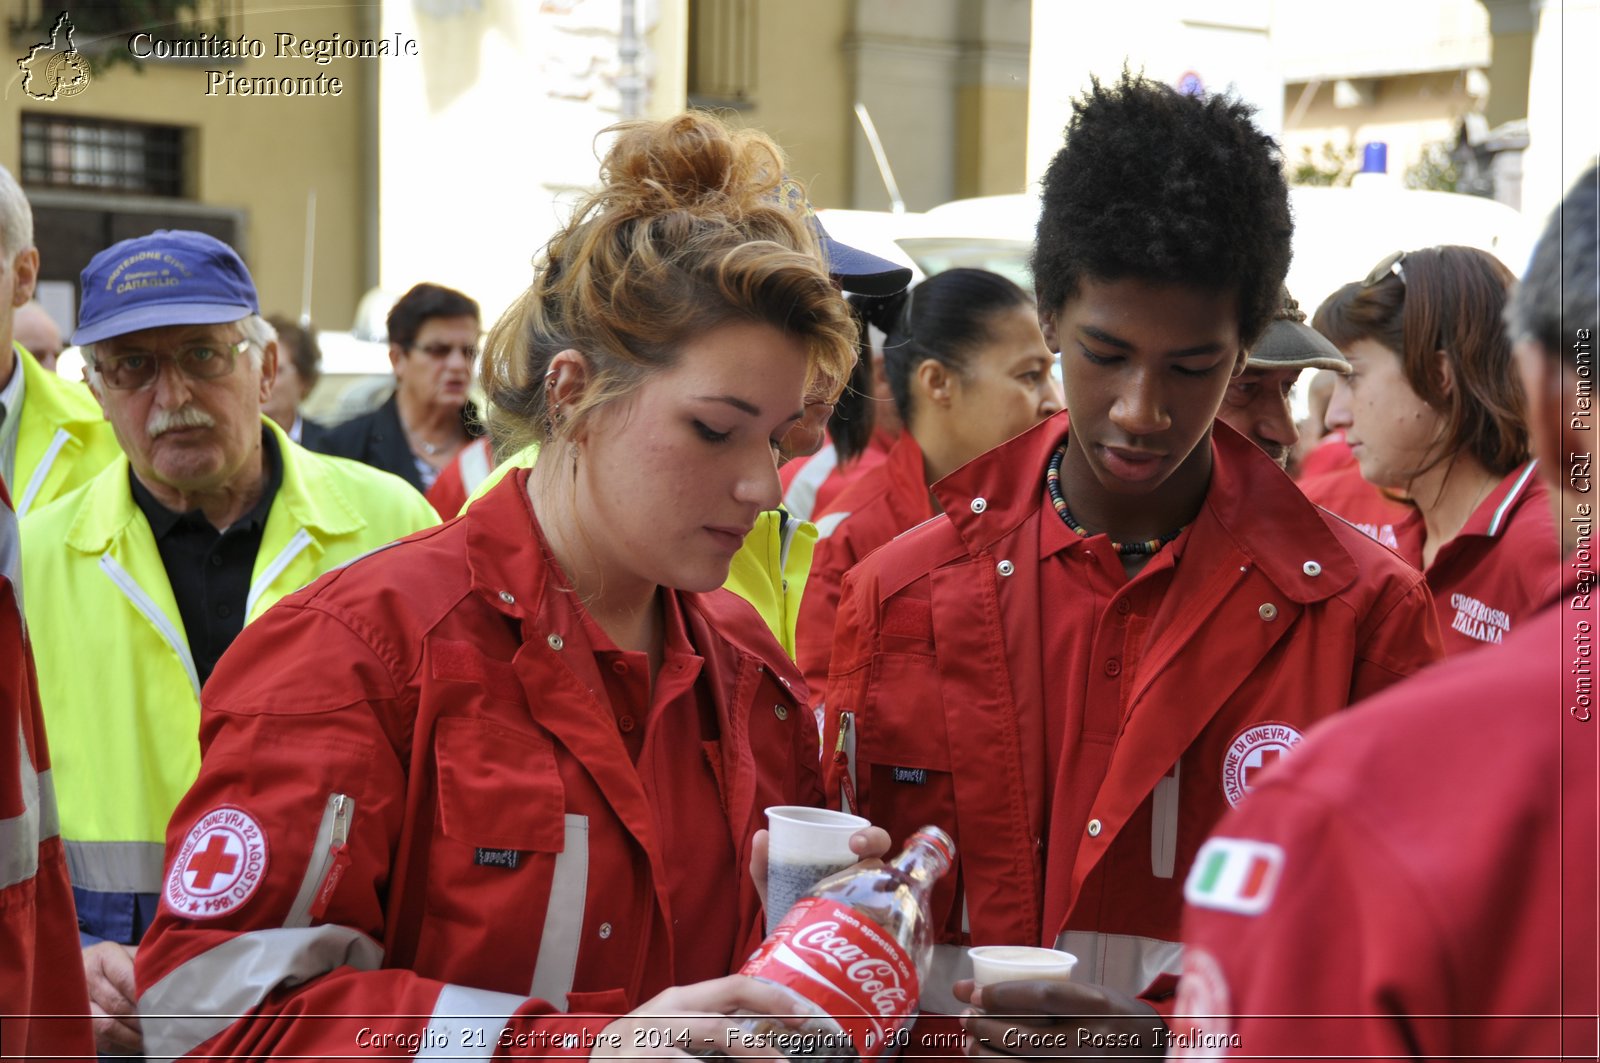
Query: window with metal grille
{"points": [[92, 154], [722, 53]]}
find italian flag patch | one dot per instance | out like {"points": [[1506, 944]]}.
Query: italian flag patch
{"points": [[1234, 875]]}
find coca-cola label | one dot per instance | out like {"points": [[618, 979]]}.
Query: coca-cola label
{"points": [[847, 966]]}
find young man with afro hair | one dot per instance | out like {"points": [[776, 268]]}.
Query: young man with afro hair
{"points": [[1122, 615]]}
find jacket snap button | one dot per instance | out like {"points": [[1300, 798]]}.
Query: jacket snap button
{"points": [[508, 597], [1005, 568], [1094, 828], [1268, 611], [626, 724], [780, 711], [605, 931], [979, 505], [554, 640], [1113, 667], [1311, 568]]}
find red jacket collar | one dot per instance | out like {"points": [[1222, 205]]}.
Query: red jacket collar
{"points": [[908, 477], [510, 570], [1494, 512], [1250, 499]]}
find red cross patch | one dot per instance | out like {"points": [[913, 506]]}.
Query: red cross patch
{"points": [[219, 866], [1252, 751]]}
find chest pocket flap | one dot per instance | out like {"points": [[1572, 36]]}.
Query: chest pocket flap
{"points": [[498, 788]]}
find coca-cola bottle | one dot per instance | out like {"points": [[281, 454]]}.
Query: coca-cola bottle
{"points": [[852, 954]]}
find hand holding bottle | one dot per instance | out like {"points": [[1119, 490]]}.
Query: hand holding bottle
{"points": [[852, 954]]}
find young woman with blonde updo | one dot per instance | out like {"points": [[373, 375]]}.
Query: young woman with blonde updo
{"points": [[498, 785]]}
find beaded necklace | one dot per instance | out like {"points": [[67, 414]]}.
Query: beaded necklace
{"points": [[1052, 479]]}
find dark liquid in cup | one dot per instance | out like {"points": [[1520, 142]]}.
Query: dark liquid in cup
{"points": [[787, 882]]}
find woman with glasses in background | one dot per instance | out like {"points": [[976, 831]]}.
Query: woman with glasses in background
{"points": [[1432, 410], [433, 343]]}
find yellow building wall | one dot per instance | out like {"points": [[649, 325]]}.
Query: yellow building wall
{"points": [[992, 127], [259, 155], [804, 93]]}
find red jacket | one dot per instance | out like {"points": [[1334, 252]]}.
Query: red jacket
{"points": [[42, 971], [1336, 485], [1501, 566], [888, 499], [811, 484], [461, 477], [1276, 616], [1421, 865], [502, 858]]}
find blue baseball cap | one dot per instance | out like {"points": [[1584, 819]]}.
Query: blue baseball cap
{"points": [[858, 272], [861, 272], [170, 277]]}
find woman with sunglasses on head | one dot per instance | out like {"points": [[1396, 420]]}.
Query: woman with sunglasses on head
{"points": [[527, 786], [968, 369], [1432, 409]]}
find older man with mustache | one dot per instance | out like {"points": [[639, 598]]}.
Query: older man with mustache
{"points": [[139, 580]]}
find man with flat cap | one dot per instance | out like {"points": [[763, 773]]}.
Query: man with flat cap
{"points": [[1257, 401], [152, 568]]}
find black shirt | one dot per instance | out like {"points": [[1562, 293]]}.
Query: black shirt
{"points": [[210, 570]]}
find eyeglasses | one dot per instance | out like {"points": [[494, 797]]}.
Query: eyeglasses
{"points": [[1389, 265], [128, 370], [440, 351]]}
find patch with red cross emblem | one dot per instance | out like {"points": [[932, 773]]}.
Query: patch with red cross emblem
{"points": [[220, 865], [1252, 751]]}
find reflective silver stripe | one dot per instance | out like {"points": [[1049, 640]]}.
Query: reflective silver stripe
{"points": [[199, 999], [787, 528], [1121, 961], [42, 470], [557, 964], [457, 1029], [1164, 826], [21, 834], [299, 542], [826, 526], [801, 498], [321, 857], [1511, 496], [150, 611], [948, 966], [475, 467], [115, 867], [11, 556], [49, 817]]}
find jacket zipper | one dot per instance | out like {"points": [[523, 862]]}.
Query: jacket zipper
{"points": [[842, 761], [330, 857], [299, 542], [42, 471], [151, 612]]}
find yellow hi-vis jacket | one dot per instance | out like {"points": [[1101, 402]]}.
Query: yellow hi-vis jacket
{"points": [[117, 682], [63, 440], [769, 571]]}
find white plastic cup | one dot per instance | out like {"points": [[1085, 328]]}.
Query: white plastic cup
{"points": [[804, 846], [1013, 963]]}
